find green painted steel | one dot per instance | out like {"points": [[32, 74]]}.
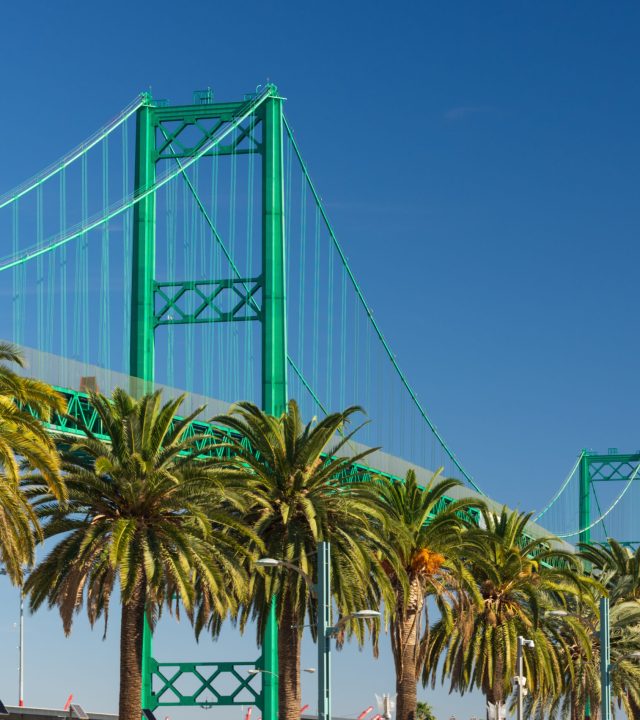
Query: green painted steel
{"points": [[241, 296], [269, 309], [274, 331], [204, 680], [141, 348], [596, 468], [144, 251], [584, 500], [274, 323], [147, 663], [269, 663], [79, 409], [605, 661]]}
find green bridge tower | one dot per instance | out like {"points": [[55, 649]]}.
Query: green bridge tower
{"points": [[153, 145]]}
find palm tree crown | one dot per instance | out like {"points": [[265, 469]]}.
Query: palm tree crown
{"points": [[142, 512], [299, 495], [518, 578], [426, 535]]}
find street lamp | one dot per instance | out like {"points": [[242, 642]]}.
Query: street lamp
{"points": [[520, 680], [322, 592]]}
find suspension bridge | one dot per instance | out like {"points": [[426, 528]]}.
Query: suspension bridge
{"points": [[187, 247]]}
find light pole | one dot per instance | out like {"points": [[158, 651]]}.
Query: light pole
{"points": [[21, 653], [520, 680], [322, 593], [605, 657], [20, 646], [605, 660]]}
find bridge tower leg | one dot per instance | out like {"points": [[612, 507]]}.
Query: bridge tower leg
{"points": [[141, 348], [274, 336], [584, 499], [141, 363]]}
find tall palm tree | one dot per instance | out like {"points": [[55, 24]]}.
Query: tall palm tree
{"points": [[617, 568], [145, 513], [303, 491], [427, 537], [518, 578], [24, 404]]}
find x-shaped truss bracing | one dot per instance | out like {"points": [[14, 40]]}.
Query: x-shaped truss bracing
{"points": [[173, 145], [207, 301], [203, 679]]}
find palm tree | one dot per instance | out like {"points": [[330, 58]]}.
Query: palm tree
{"points": [[575, 636], [302, 492], [24, 404], [145, 513], [427, 537], [617, 568], [519, 578], [571, 634]]}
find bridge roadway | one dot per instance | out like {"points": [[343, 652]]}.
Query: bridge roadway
{"points": [[73, 378]]}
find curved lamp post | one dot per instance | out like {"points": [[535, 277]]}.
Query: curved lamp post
{"points": [[322, 591]]}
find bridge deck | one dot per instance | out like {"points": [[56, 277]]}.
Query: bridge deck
{"points": [[69, 376]]}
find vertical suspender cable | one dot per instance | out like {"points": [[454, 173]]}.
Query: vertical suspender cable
{"points": [[330, 340], [201, 254], [301, 243], [342, 370], [171, 235], [376, 327], [315, 378], [104, 353], [62, 306], [39, 269], [50, 294], [216, 333], [18, 280], [249, 383], [127, 232], [232, 350], [189, 248]]}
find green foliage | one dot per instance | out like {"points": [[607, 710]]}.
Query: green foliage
{"points": [[23, 439], [424, 711], [428, 541], [519, 579], [143, 512], [294, 476]]}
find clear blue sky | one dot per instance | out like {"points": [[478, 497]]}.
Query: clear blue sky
{"points": [[482, 156]]}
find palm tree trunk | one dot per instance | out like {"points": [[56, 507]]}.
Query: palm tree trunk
{"points": [[132, 620], [289, 691], [495, 695], [405, 659]]}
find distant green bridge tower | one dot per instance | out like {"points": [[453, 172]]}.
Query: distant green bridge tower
{"points": [[153, 145], [599, 468]]}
